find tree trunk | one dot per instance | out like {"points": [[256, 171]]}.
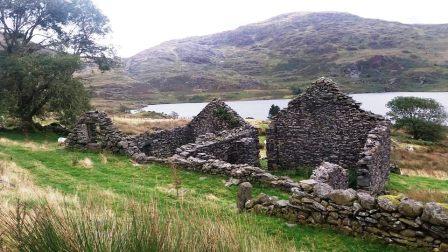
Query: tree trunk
{"points": [[27, 123]]}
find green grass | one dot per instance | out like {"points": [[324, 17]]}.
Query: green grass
{"points": [[405, 183], [53, 167]]}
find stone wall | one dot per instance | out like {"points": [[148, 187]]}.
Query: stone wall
{"points": [[164, 143], [217, 131], [374, 165], [393, 219], [324, 124], [95, 131], [215, 117], [204, 163], [237, 146]]}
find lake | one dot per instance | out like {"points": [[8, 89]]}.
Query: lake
{"points": [[258, 109]]}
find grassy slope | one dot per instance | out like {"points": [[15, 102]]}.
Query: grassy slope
{"points": [[52, 166]]}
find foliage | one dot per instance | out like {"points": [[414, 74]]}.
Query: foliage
{"points": [[224, 115], [123, 108], [273, 111], [423, 118], [73, 27], [43, 42], [41, 85], [295, 89]]}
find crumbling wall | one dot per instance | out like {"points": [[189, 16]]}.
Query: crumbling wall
{"points": [[237, 146], [391, 218], [215, 117], [374, 165], [217, 131], [164, 143], [95, 131], [324, 124]]}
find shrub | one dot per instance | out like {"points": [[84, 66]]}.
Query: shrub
{"points": [[295, 89], [273, 111], [227, 117], [422, 118]]}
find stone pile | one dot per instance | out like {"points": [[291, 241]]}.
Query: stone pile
{"points": [[324, 124], [237, 146], [205, 163], [391, 218]]}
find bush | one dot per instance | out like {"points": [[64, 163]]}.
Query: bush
{"points": [[273, 111], [422, 118], [421, 129], [295, 89]]}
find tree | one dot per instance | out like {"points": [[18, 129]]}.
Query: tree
{"points": [[422, 118], [273, 111], [39, 85], [295, 89], [43, 44]]}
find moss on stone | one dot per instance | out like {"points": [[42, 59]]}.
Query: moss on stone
{"points": [[394, 199], [224, 115]]}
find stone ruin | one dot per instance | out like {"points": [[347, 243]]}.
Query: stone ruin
{"points": [[324, 124], [218, 141], [217, 132], [96, 131]]}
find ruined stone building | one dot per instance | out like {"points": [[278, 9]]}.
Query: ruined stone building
{"points": [[216, 132], [324, 124]]}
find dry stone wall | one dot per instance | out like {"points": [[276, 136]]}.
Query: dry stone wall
{"points": [[164, 143], [95, 131], [393, 219], [217, 131], [215, 117], [237, 146], [324, 124], [374, 165]]}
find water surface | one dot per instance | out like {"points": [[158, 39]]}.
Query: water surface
{"points": [[259, 109]]}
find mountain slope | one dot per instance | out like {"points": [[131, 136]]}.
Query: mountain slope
{"points": [[364, 55]]}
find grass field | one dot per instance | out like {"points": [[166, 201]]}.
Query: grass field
{"points": [[114, 180]]}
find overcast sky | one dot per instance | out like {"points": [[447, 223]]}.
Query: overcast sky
{"points": [[141, 24]]}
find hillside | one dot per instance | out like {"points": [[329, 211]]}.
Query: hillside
{"points": [[364, 55]]}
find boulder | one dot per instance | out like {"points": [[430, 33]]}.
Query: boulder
{"points": [[322, 190], [307, 184], [410, 208], [331, 174], [388, 203], [435, 214], [231, 181], [343, 197], [366, 200]]}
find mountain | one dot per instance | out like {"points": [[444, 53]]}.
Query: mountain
{"points": [[363, 55]]}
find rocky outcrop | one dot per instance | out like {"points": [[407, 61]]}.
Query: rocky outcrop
{"points": [[324, 124]]}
